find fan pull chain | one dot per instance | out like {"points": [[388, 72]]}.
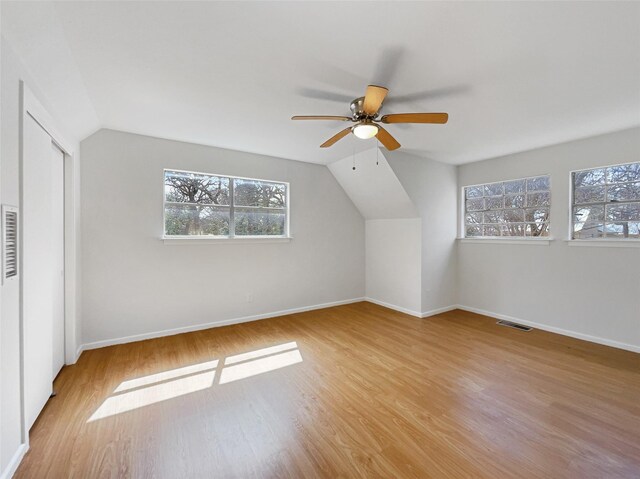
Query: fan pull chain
{"points": [[354, 156], [377, 150]]}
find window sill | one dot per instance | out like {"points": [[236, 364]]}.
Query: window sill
{"points": [[205, 240], [603, 243], [527, 241]]}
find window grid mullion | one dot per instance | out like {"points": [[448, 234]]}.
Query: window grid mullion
{"points": [[232, 212], [603, 203], [179, 203]]}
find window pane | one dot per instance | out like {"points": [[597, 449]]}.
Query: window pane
{"points": [[494, 203], [475, 204], [196, 220], [623, 212], [588, 194], [514, 216], [514, 201], [474, 231], [537, 229], [511, 187], [473, 191], [623, 173], [539, 199], [588, 230], [589, 177], [492, 230], [473, 218], [588, 214], [494, 189], [185, 187], [623, 230], [624, 192], [259, 193], [513, 229], [537, 215], [256, 222], [541, 183], [493, 217]]}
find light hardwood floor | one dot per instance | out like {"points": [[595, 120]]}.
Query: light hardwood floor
{"points": [[363, 391]]}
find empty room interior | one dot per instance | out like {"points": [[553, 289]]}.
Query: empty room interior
{"points": [[343, 239]]}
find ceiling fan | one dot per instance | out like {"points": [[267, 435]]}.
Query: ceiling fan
{"points": [[365, 111]]}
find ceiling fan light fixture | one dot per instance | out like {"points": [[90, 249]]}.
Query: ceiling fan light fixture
{"points": [[364, 131]]}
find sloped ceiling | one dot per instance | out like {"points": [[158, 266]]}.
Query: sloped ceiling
{"points": [[513, 75], [375, 189], [38, 40]]}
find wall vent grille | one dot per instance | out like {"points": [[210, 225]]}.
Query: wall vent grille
{"points": [[9, 242]]}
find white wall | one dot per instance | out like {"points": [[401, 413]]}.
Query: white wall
{"points": [[135, 284], [432, 187], [10, 422], [402, 186], [393, 263], [591, 292], [393, 236], [13, 71]]}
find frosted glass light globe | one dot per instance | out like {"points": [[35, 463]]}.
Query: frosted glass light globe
{"points": [[364, 131]]}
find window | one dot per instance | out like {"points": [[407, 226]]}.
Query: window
{"points": [[200, 204], [606, 202], [515, 208]]}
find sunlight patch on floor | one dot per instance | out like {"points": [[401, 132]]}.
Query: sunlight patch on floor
{"points": [[145, 396], [259, 366], [154, 388], [258, 353], [166, 375]]}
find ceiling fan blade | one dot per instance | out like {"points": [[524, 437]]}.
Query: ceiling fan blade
{"points": [[336, 137], [389, 142], [325, 95], [373, 99], [321, 117], [415, 118]]}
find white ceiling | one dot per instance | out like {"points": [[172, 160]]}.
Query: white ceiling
{"points": [[513, 76]]}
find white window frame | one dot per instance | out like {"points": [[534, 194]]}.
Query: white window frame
{"points": [[615, 242], [531, 240], [176, 239]]}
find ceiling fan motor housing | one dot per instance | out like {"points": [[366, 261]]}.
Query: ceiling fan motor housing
{"points": [[357, 109]]}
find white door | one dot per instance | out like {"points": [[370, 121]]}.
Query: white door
{"points": [[57, 257], [37, 294]]}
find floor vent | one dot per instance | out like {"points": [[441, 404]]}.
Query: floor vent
{"points": [[513, 325]]}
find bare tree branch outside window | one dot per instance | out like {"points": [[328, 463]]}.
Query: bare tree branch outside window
{"points": [[606, 202], [515, 208], [198, 204]]}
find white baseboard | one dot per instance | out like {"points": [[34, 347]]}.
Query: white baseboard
{"points": [[433, 312], [394, 307], [198, 327], [78, 353], [553, 329], [214, 324], [15, 461], [424, 314]]}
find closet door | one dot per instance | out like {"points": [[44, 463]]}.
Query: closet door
{"points": [[36, 255], [57, 256]]}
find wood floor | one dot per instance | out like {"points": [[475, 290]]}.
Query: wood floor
{"points": [[347, 392]]}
